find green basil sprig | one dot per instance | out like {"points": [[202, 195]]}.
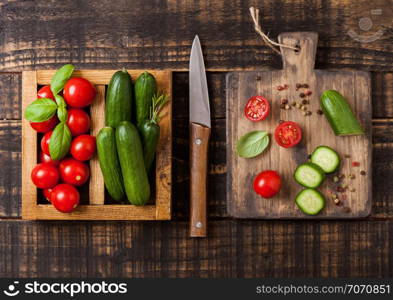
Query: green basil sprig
{"points": [[61, 108], [252, 144], [40, 110], [60, 78], [60, 141]]}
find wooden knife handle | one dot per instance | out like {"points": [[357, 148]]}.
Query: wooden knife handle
{"points": [[199, 143]]}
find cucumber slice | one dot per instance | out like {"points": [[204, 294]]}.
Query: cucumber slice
{"points": [[339, 114], [309, 175], [310, 201], [326, 158]]}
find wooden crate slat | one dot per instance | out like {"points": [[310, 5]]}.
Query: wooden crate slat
{"points": [[164, 157], [95, 212], [29, 146], [97, 114]]}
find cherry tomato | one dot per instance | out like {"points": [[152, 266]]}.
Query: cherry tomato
{"points": [[78, 121], [47, 194], [45, 142], [79, 92], [45, 158], [65, 197], [83, 147], [257, 109], [267, 183], [44, 176], [45, 126], [288, 134], [45, 92], [73, 171]]}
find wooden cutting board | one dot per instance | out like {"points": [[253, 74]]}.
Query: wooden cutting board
{"points": [[298, 67]]}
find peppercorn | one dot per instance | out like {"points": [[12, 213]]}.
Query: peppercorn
{"points": [[282, 106], [304, 101], [304, 107], [302, 95], [294, 103], [298, 105], [309, 113], [355, 164], [335, 179], [308, 93], [284, 101], [305, 85], [298, 85], [336, 201], [280, 88], [304, 113], [362, 172], [319, 112], [287, 107]]}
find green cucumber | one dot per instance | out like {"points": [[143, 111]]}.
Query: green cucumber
{"points": [[129, 149], [339, 114], [326, 158], [309, 175], [145, 89], [150, 135], [310, 201], [109, 163], [118, 106]]}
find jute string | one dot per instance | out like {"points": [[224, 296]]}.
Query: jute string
{"points": [[254, 12]]}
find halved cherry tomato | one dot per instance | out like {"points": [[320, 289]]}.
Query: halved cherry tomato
{"points": [[45, 158], [267, 183], [44, 176], [45, 126], [78, 121], [288, 134], [47, 194], [83, 147], [65, 197], [79, 92], [73, 171], [257, 109], [45, 142], [45, 92]]}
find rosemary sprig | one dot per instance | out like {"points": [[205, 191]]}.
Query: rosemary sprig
{"points": [[158, 102]]}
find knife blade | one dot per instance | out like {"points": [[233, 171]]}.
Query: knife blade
{"points": [[200, 124]]}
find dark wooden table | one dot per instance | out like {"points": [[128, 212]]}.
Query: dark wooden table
{"points": [[158, 34]]}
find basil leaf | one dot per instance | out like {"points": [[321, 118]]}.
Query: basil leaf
{"points": [[62, 108], [252, 144], [40, 110], [60, 78], [60, 141]]}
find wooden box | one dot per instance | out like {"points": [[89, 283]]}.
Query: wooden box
{"points": [[96, 207]]}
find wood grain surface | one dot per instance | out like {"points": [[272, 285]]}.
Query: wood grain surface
{"points": [[298, 67], [46, 34]]}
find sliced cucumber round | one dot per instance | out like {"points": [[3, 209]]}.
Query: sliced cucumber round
{"points": [[310, 201], [326, 158], [309, 175]]}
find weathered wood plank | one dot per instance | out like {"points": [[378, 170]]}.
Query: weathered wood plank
{"points": [[44, 34], [233, 249]]}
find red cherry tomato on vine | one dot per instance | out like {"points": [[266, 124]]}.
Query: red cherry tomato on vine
{"points": [[83, 147], [45, 92], [267, 183], [44, 176], [45, 142], [47, 194], [78, 121], [65, 197], [45, 158], [257, 109], [79, 92], [288, 134], [45, 126], [73, 171]]}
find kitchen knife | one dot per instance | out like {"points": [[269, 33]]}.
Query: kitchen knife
{"points": [[199, 140]]}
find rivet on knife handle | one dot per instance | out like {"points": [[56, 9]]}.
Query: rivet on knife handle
{"points": [[199, 142]]}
